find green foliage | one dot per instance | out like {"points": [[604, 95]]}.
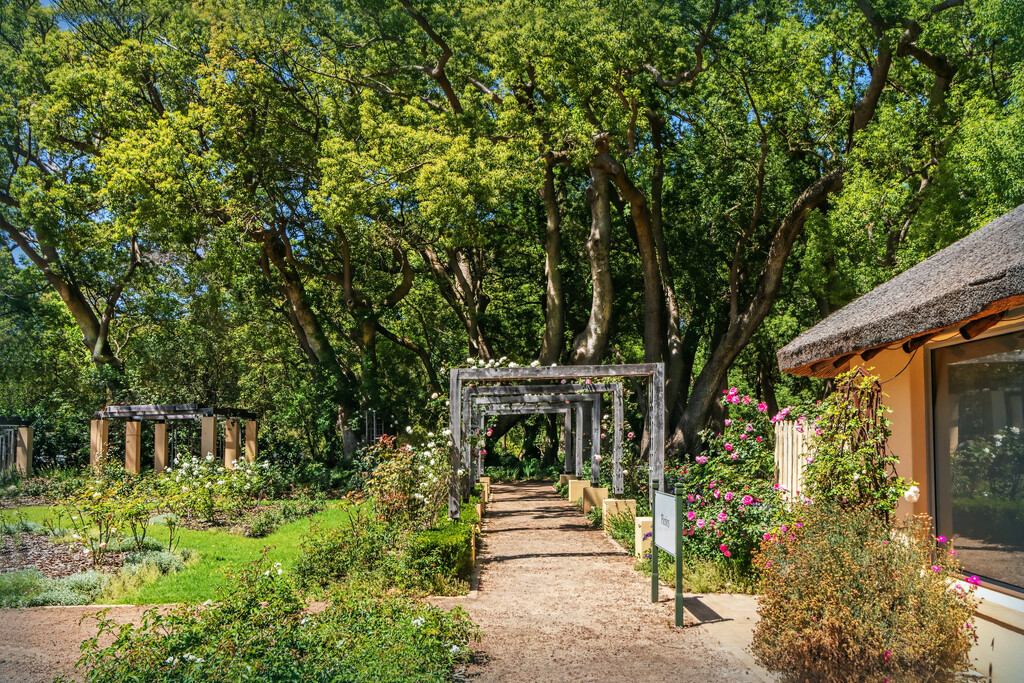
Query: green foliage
{"points": [[622, 528], [595, 516], [700, 575], [267, 520], [730, 502], [846, 597], [258, 631], [410, 484], [442, 557], [850, 462]]}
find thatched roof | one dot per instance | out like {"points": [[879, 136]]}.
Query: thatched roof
{"points": [[975, 280]]}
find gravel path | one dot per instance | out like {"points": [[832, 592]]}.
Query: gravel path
{"points": [[558, 600]]}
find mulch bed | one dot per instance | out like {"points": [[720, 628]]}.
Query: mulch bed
{"points": [[52, 559], [25, 501]]}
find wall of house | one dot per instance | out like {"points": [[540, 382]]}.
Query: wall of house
{"points": [[999, 652]]}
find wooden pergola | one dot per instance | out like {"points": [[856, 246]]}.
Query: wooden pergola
{"points": [[579, 396], [652, 373], [208, 417]]}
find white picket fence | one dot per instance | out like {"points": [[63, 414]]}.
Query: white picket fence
{"points": [[791, 447]]}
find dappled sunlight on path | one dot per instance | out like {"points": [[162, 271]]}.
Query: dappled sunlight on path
{"points": [[558, 600]]}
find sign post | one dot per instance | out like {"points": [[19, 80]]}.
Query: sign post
{"points": [[667, 534]]}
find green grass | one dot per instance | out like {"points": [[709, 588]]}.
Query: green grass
{"points": [[219, 552]]}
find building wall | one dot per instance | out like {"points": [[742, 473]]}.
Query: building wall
{"points": [[999, 652]]}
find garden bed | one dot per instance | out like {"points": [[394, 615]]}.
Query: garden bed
{"points": [[53, 560]]}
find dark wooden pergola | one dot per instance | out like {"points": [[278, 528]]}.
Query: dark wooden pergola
{"points": [[652, 373], [15, 445], [162, 414]]}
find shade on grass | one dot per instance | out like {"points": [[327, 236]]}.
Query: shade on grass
{"points": [[219, 552]]}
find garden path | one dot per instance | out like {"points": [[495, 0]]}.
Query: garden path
{"points": [[559, 600]]}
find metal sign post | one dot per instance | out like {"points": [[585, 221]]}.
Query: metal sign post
{"points": [[667, 535]]}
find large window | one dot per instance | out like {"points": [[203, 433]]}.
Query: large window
{"points": [[979, 446]]}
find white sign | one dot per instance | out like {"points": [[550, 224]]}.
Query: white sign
{"points": [[665, 522]]}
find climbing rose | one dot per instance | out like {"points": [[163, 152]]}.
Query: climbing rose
{"points": [[758, 439], [728, 495], [717, 493], [728, 447], [691, 515], [490, 432], [722, 516], [700, 523], [747, 500], [728, 423], [629, 436], [701, 459], [762, 407]]}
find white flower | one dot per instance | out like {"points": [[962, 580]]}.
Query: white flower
{"points": [[461, 471], [209, 458], [856, 476], [503, 359], [912, 494], [408, 430], [534, 363], [455, 649], [279, 571], [184, 489], [207, 603], [97, 494], [469, 360], [433, 396], [170, 660], [513, 365], [430, 445], [430, 435], [418, 621]]}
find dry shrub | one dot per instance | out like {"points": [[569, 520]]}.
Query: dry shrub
{"points": [[847, 598]]}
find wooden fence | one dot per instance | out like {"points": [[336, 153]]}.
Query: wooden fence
{"points": [[791, 447]]}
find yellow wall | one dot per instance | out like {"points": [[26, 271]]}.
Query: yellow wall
{"points": [[1000, 649]]}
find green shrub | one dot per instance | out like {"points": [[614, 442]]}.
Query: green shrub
{"points": [[844, 597], [17, 588], [77, 589], [258, 631], [440, 556], [563, 490], [622, 528], [700, 575], [362, 546], [166, 562], [595, 516]]}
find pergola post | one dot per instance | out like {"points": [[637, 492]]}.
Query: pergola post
{"points": [[133, 446], [232, 442], [578, 441], [455, 427], [208, 436], [595, 442], [23, 451], [98, 440], [618, 485], [160, 458], [567, 443], [251, 445]]}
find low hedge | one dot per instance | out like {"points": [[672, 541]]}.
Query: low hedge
{"points": [[443, 551]]}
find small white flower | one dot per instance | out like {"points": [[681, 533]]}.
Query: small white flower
{"points": [[170, 660], [418, 621], [534, 363], [207, 603], [97, 494], [433, 396], [209, 458], [408, 430], [279, 572], [912, 494]]}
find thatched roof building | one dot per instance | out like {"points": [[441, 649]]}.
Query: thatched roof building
{"points": [[970, 284]]}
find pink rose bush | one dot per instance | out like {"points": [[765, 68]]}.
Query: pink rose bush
{"points": [[730, 502]]}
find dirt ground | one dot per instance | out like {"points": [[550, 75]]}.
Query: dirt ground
{"points": [[557, 600], [39, 643]]}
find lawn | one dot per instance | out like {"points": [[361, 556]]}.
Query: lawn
{"points": [[219, 552]]}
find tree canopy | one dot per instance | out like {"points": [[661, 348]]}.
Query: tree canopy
{"points": [[312, 209]]}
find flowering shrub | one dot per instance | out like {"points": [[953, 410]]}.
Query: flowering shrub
{"points": [[258, 631], [410, 483], [844, 597], [200, 488], [850, 463], [731, 501]]}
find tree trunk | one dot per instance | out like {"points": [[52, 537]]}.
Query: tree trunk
{"points": [[590, 344], [554, 298]]}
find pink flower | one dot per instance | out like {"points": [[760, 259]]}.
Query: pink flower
{"points": [[766, 536], [749, 427], [953, 553], [940, 539], [762, 407], [728, 423], [691, 515], [936, 568], [723, 548], [700, 523], [768, 563], [747, 500], [629, 436], [746, 400], [689, 498], [483, 451], [758, 439], [716, 494], [597, 458], [735, 457], [701, 459], [603, 435], [734, 399], [589, 382], [800, 428], [727, 553], [722, 516], [490, 432], [742, 437], [974, 580], [728, 447], [728, 495], [733, 391]]}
